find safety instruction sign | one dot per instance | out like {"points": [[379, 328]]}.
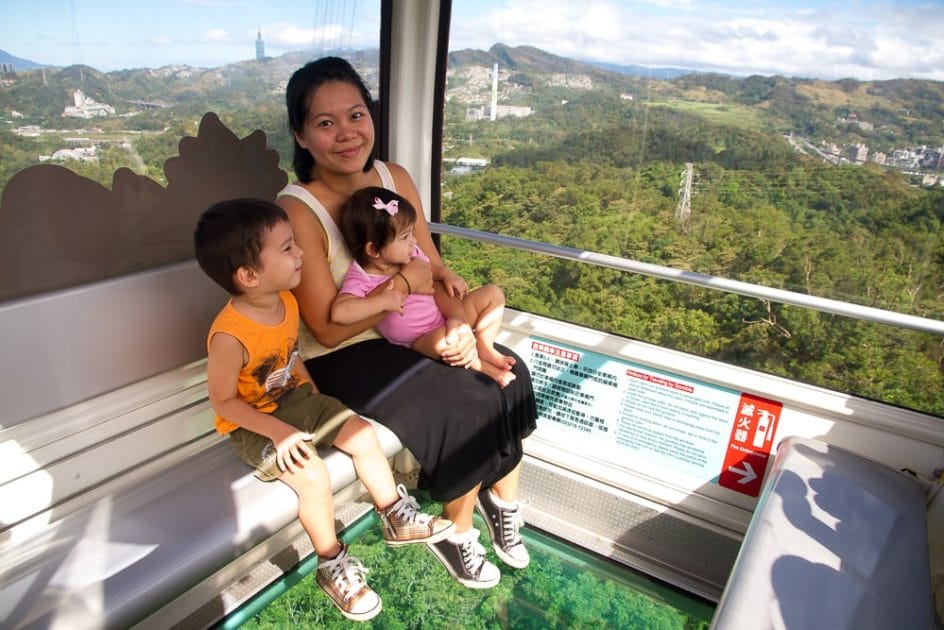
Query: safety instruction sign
{"points": [[629, 412]]}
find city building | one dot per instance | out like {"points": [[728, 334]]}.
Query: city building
{"points": [[87, 107], [501, 111], [857, 152], [83, 154], [467, 165]]}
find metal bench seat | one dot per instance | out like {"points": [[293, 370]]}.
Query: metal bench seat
{"points": [[837, 541], [116, 494], [123, 555]]}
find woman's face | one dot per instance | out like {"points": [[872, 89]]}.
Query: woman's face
{"points": [[339, 132]]}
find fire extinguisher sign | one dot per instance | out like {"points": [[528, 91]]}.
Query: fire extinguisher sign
{"points": [[752, 433]]}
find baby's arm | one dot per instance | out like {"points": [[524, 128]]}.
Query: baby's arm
{"points": [[224, 361], [348, 309], [455, 286]]}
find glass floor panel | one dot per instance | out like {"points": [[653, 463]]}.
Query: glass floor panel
{"points": [[564, 587]]}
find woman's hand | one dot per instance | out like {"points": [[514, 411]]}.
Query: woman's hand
{"points": [[460, 340], [420, 276]]}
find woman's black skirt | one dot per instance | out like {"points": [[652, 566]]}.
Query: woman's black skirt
{"points": [[461, 426]]}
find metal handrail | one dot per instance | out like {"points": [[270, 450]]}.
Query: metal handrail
{"points": [[781, 296]]}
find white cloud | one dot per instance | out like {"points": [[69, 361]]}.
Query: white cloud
{"points": [[284, 36], [217, 35], [835, 40]]}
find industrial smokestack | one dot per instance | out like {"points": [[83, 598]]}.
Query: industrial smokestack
{"points": [[494, 108]]}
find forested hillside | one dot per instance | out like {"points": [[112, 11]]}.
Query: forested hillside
{"points": [[605, 178]]}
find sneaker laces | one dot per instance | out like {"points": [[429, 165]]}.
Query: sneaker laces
{"points": [[347, 573], [408, 509], [473, 553], [511, 525]]}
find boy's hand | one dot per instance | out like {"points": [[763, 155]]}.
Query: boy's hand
{"points": [[291, 451], [455, 286], [390, 299]]}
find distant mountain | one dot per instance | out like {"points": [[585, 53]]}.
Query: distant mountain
{"points": [[521, 59], [643, 72], [531, 59], [191, 91], [907, 109], [18, 64]]}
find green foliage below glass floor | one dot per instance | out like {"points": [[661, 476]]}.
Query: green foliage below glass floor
{"points": [[563, 587]]}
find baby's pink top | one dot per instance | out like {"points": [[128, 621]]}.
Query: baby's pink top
{"points": [[420, 313]]}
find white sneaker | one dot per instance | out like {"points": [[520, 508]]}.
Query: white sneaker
{"points": [[342, 579]]}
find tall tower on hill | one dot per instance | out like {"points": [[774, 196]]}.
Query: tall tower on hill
{"points": [[260, 47]]}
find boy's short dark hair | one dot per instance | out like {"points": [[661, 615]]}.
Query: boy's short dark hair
{"points": [[229, 235]]}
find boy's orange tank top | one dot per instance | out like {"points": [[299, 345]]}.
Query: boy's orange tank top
{"points": [[273, 351]]}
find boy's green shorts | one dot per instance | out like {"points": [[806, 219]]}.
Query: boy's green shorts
{"points": [[304, 409]]}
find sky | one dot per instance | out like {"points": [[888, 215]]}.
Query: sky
{"points": [[861, 39]]}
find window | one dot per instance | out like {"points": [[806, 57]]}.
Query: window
{"points": [[759, 143], [95, 99]]}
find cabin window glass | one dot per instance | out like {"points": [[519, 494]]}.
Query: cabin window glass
{"points": [[108, 153], [800, 150]]}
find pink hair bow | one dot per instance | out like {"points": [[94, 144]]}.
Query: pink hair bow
{"points": [[391, 207]]}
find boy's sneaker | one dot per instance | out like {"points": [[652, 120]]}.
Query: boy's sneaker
{"points": [[465, 560], [403, 523], [342, 578], [504, 528]]}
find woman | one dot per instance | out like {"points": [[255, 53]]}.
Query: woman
{"points": [[465, 431]]}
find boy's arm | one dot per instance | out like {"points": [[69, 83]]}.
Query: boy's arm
{"points": [[348, 309], [302, 371], [224, 361]]}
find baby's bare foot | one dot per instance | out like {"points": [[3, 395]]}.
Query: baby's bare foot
{"points": [[505, 378], [496, 358], [502, 377]]}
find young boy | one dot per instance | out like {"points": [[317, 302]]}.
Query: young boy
{"points": [[268, 404]]}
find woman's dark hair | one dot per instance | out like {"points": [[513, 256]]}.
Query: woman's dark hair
{"points": [[230, 234], [362, 223], [301, 87]]}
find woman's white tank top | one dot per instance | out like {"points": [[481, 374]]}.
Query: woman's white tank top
{"points": [[339, 259]]}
